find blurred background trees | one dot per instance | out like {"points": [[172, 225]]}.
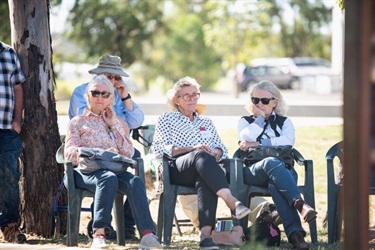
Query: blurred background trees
{"points": [[164, 40]]}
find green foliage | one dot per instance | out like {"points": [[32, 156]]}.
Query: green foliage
{"points": [[341, 4], [114, 27], [183, 52], [303, 36], [5, 33]]}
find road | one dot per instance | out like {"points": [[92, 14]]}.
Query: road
{"points": [[305, 109]]}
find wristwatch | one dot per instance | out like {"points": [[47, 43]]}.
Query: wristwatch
{"points": [[126, 98]]}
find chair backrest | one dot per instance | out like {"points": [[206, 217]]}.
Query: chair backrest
{"points": [[147, 136], [336, 150], [60, 154]]}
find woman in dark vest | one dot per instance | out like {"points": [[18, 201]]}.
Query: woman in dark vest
{"points": [[267, 126]]}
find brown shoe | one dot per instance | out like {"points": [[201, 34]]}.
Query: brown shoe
{"points": [[308, 213], [12, 233], [298, 241]]}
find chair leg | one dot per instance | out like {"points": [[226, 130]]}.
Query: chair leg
{"points": [[159, 226], [177, 225], [74, 214], [120, 219], [332, 216], [169, 203]]}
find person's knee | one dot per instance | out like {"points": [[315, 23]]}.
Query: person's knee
{"points": [[271, 163], [109, 179]]}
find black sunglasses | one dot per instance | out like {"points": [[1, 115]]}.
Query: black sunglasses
{"points": [[104, 94], [264, 101]]}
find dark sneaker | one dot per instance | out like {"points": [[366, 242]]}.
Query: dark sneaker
{"points": [[12, 233], [207, 243], [130, 234], [240, 211]]}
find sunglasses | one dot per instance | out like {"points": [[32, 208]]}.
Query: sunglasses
{"points": [[104, 94], [264, 101], [188, 97], [111, 77]]}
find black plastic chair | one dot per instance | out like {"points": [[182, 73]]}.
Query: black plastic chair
{"points": [[333, 191], [246, 192], [76, 195], [167, 202]]}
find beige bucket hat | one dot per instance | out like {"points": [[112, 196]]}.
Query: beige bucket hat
{"points": [[109, 64]]}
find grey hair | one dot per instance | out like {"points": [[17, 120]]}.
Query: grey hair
{"points": [[173, 92], [99, 79], [269, 86]]}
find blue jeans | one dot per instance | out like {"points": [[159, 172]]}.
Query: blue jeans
{"points": [[281, 183], [10, 149], [105, 184]]}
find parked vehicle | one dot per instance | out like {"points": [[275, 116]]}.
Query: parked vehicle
{"points": [[285, 72], [275, 74]]}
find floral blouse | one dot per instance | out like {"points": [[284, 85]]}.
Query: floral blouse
{"points": [[89, 130], [174, 129]]}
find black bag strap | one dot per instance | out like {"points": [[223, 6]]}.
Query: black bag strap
{"points": [[264, 129], [274, 121]]}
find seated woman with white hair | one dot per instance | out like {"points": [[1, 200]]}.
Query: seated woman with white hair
{"points": [[99, 127]]}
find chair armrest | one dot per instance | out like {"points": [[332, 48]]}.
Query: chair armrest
{"points": [[69, 178], [298, 157], [169, 158]]}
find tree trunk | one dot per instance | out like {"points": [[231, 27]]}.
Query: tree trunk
{"points": [[40, 174]]}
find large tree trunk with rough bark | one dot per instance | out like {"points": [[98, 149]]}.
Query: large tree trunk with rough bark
{"points": [[40, 174]]}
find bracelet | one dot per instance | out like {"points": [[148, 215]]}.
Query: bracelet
{"points": [[126, 98]]}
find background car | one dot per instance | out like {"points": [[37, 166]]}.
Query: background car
{"points": [[275, 74], [285, 72]]}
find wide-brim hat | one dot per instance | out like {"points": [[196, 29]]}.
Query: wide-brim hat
{"points": [[109, 64]]}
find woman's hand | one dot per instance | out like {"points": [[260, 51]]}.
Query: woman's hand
{"points": [[245, 145], [108, 116], [258, 112], [206, 148], [114, 150]]}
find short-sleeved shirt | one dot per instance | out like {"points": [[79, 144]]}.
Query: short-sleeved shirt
{"points": [[10, 75]]}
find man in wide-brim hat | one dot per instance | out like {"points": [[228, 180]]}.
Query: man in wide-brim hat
{"points": [[125, 108]]}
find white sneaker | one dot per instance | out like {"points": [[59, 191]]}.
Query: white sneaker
{"points": [[98, 242], [149, 241]]}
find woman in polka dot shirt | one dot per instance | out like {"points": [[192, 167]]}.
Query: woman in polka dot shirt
{"points": [[184, 133]]}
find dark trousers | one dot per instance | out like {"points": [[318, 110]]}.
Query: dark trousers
{"points": [[10, 149], [200, 170]]}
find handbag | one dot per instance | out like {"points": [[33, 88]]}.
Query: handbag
{"points": [[264, 230], [283, 153], [233, 237], [93, 159]]}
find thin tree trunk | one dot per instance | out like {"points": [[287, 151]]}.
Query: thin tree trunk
{"points": [[40, 174]]}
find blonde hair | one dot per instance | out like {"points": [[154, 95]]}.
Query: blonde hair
{"points": [[269, 86], [99, 79], [174, 91]]}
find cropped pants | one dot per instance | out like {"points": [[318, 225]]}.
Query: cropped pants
{"points": [[200, 170]]}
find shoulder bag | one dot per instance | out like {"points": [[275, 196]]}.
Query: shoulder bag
{"points": [[93, 159], [283, 153]]}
